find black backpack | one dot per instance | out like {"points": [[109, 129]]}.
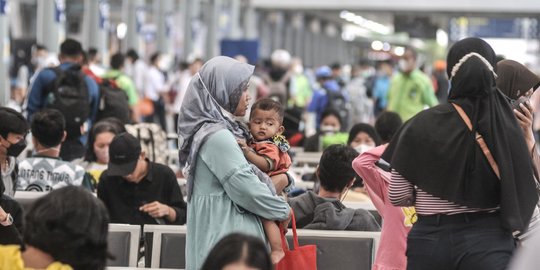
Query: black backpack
{"points": [[369, 83], [338, 103], [69, 94], [113, 102]]}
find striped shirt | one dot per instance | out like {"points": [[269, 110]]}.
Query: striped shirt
{"points": [[402, 193]]}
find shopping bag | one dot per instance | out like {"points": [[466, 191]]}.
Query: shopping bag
{"points": [[301, 257]]}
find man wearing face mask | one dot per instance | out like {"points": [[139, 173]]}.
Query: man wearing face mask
{"points": [[45, 171], [13, 129], [324, 211], [410, 90]]}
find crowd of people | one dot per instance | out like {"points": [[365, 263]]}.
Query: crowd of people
{"points": [[451, 165]]}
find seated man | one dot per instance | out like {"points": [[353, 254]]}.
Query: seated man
{"points": [[324, 211], [138, 191], [45, 171], [13, 129]]}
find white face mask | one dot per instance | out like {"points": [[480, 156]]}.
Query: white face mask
{"points": [[328, 129], [403, 65], [361, 148], [298, 69]]}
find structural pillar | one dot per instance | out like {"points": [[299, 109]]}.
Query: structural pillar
{"points": [[298, 34], [250, 22], [5, 92], [288, 34], [96, 26], [164, 14], [236, 30], [277, 18], [51, 20], [134, 16], [212, 23], [192, 14], [265, 36]]}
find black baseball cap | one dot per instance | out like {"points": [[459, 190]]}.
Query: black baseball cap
{"points": [[124, 152]]}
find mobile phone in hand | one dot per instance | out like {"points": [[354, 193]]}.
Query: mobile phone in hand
{"points": [[521, 100]]}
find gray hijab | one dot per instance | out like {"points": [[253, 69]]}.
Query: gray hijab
{"points": [[210, 101]]}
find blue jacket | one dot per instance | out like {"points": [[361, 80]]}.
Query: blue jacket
{"points": [[36, 99], [319, 101]]}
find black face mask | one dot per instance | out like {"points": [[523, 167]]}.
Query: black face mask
{"points": [[16, 149]]}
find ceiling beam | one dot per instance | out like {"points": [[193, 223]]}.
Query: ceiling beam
{"points": [[465, 6]]}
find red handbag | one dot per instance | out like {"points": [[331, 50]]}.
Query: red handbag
{"points": [[301, 257]]}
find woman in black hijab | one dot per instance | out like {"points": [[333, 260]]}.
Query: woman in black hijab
{"points": [[468, 205], [518, 83]]}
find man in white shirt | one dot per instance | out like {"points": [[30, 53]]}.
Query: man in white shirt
{"points": [[156, 90], [136, 69]]}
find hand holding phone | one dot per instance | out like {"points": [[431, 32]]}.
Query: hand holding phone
{"points": [[521, 100]]}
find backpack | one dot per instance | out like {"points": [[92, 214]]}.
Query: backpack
{"points": [[113, 102], [278, 90], [68, 93], [338, 103], [369, 83], [153, 140]]}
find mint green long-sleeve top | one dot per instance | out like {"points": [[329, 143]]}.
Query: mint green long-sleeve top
{"points": [[227, 197]]}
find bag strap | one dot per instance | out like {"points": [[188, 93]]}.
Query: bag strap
{"points": [[480, 140], [153, 142], [295, 235]]}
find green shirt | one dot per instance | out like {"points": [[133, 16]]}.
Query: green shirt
{"points": [[125, 83], [301, 91], [338, 138], [227, 197], [409, 94]]}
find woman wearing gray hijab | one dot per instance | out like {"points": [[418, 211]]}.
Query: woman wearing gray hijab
{"points": [[224, 194]]}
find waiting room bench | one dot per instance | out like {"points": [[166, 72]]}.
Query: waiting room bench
{"points": [[123, 244], [335, 249]]}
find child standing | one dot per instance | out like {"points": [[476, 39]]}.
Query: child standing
{"points": [[268, 151]]}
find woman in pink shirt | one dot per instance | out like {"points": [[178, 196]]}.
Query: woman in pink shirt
{"points": [[397, 221]]}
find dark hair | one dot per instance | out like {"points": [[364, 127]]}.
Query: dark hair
{"points": [[335, 168], [364, 62], [131, 53], [71, 225], [385, 62], [12, 121], [117, 61], [92, 52], [196, 60], [331, 112], [268, 104], [39, 47], [71, 47], [387, 124], [335, 65], [48, 127], [154, 57], [230, 249], [413, 51], [84, 56], [111, 125], [363, 127]]}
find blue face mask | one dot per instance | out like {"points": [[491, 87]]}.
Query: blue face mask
{"points": [[449, 86]]}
